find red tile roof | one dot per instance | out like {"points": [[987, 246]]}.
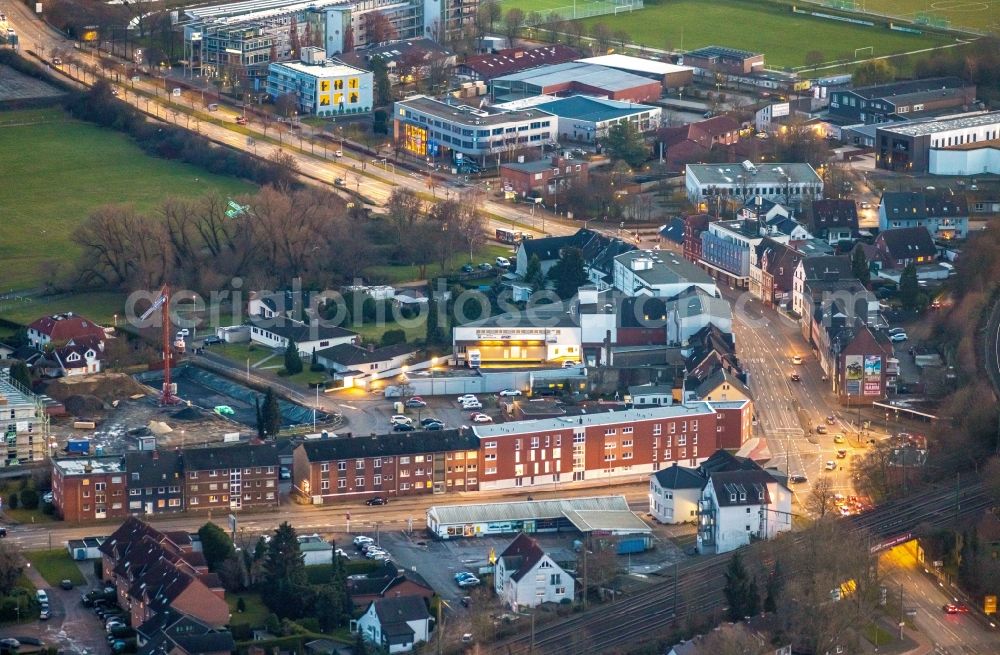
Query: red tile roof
{"points": [[63, 327]]}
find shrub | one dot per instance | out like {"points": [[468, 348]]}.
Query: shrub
{"points": [[29, 499], [241, 605], [12, 501]]}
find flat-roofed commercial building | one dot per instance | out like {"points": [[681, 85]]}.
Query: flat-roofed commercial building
{"points": [[670, 75], [321, 86], [907, 146], [784, 183], [432, 128], [575, 78]]}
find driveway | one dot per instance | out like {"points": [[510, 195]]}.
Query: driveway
{"points": [[72, 627]]}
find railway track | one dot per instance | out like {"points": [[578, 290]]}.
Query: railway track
{"points": [[698, 586]]}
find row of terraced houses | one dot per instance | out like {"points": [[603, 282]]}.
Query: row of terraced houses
{"points": [[594, 446]]}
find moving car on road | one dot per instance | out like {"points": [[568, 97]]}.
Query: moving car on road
{"points": [[377, 500], [795, 377]]}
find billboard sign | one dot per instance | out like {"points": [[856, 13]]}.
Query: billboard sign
{"points": [[873, 375], [780, 109], [853, 372]]}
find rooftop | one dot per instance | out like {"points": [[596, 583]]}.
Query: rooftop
{"points": [[638, 64], [512, 60], [466, 115], [600, 77], [773, 174], [934, 126], [250, 10], [587, 514], [89, 466], [713, 51], [329, 68], [596, 110], [978, 145], [906, 86], [605, 418], [14, 395], [397, 443], [663, 267]]}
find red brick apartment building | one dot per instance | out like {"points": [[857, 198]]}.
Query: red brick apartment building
{"points": [[89, 489], [391, 465], [608, 445], [155, 572], [231, 477]]}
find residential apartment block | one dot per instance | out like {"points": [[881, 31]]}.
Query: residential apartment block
{"points": [[155, 481], [231, 477], [23, 422], [88, 489], [907, 99], [156, 573], [945, 215], [392, 465]]}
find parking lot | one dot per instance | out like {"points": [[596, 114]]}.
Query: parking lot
{"points": [[372, 414], [72, 627]]}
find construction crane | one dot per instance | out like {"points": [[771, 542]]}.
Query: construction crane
{"points": [[162, 303]]}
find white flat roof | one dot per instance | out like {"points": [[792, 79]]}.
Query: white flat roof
{"points": [[587, 514], [584, 420], [89, 465], [638, 64], [329, 69]]}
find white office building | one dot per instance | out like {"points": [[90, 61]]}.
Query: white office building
{"points": [[788, 184], [323, 87]]}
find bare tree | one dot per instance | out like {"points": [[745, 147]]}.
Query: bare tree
{"points": [[820, 500], [601, 34], [730, 639], [512, 22], [378, 28]]}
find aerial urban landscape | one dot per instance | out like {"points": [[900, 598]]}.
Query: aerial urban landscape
{"points": [[500, 327]]}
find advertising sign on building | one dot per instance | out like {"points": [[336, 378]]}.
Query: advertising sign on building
{"points": [[873, 375], [780, 109], [853, 372]]}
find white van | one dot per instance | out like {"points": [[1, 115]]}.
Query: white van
{"points": [[503, 262], [213, 107]]}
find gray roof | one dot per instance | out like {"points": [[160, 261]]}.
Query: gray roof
{"points": [[750, 487], [235, 456], [905, 86], [921, 128], [298, 331], [667, 268], [767, 173], [827, 267], [466, 115], [918, 205], [650, 389], [347, 354], [908, 242], [679, 477], [587, 514], [600, 77], [712, 51], [696, 302], [717, 377]]}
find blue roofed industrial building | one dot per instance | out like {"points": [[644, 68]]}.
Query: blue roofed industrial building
{"points": [[582, 118]]}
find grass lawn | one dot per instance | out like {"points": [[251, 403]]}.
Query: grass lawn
{"points": [[256, 612], [372, 332], [98, 306], [57, 172], [397, 274], [55, 566], [239, 352], [562, 7], [877, 636], [782, 36], [981, 14]]}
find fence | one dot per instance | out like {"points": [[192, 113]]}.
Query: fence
{"points": [[582, 10]]}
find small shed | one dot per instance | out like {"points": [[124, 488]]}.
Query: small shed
{"points": [[84, 549]]}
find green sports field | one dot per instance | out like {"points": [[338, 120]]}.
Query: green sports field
{"points": [[981, 15], [782, 36], [566, 9], [56, 171]]}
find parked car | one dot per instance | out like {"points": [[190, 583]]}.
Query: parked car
{"points": [[241, 120], [377, 500], [467, 397], [468, 268], [475, 404], [47, 497], [466, 579], [66, 584], [44, 614], [898, 337], [485, 266], [510, 392], [430, 419], [502, 262], [285, 473], [210, 341], [397, 419], [415, 403], [361, 540], [798, 479], [402, 427], [434, 427], [570, 363], [42, 597], [481, 418], [3, 532]]}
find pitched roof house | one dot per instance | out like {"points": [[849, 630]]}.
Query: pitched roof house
{"points": [[525, 576], [908, 245], [62, 328], [396, 624], [833, 219], [390, 582], [80, 356], [155, 572], [179, 634]]}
